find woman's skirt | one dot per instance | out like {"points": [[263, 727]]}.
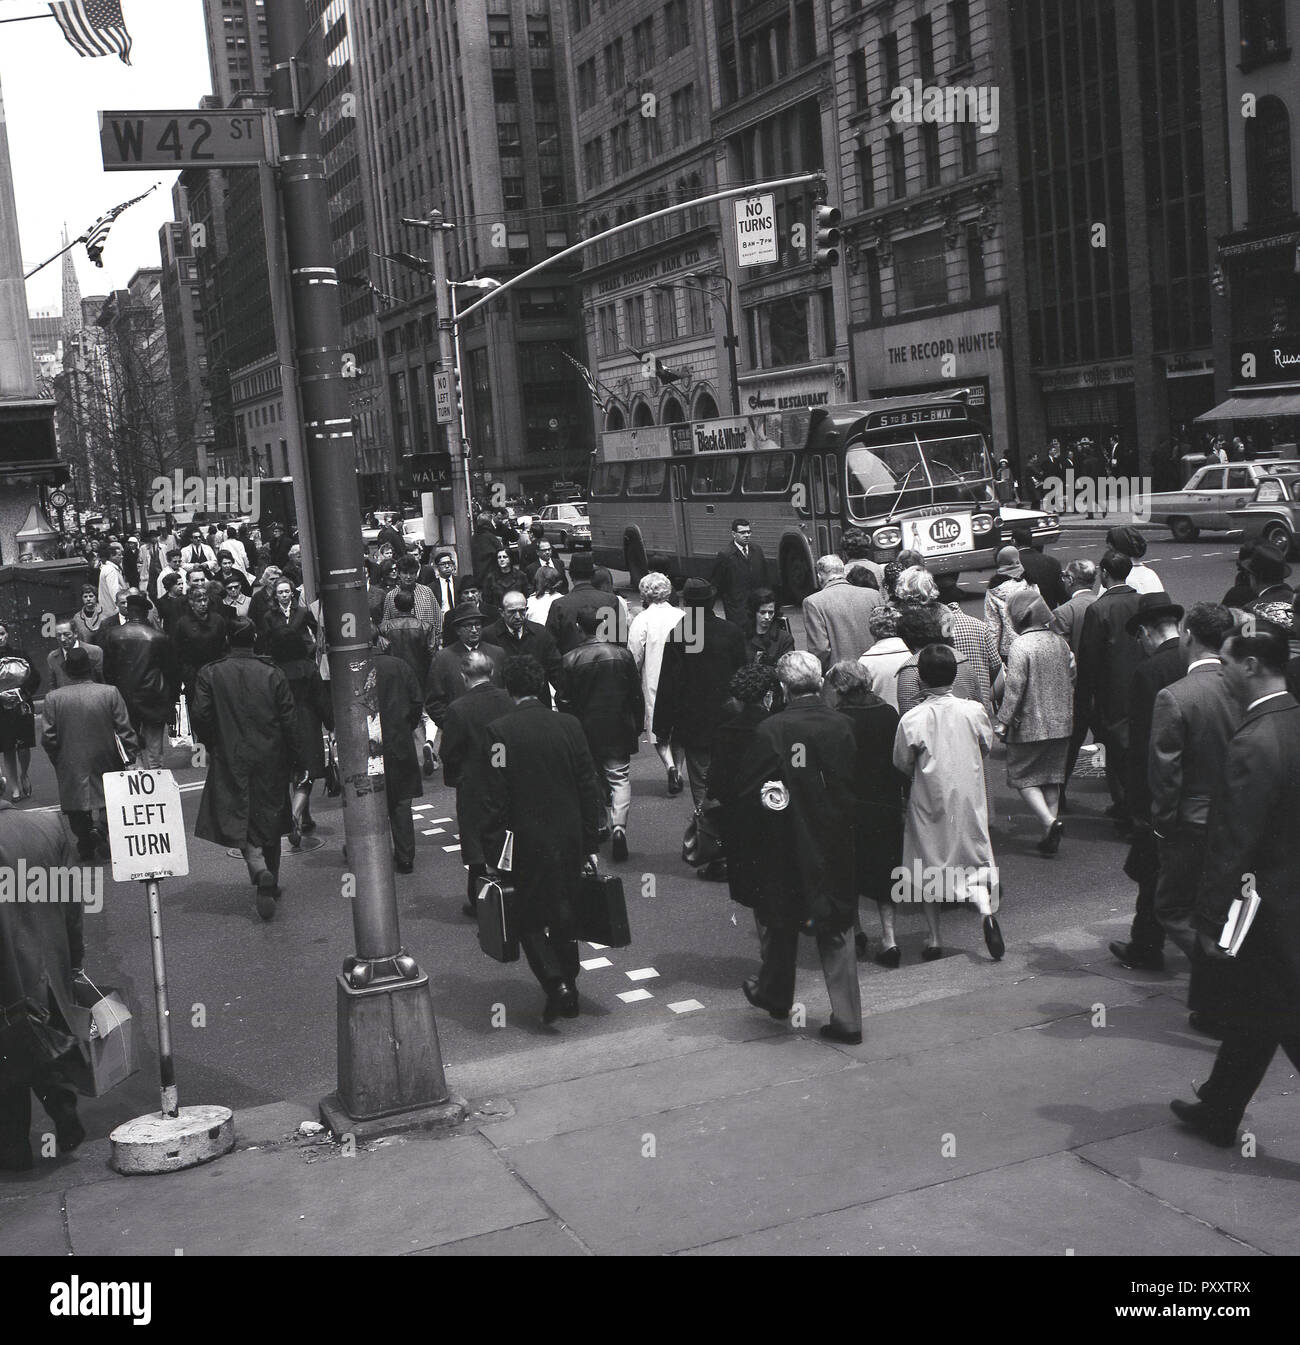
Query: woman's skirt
{"points": [[17, 726], [1040, 763]]}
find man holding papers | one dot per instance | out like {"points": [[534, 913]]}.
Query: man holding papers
{"points": [[1253, 846]]}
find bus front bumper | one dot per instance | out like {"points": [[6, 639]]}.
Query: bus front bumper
{"points": [[984, 558]]}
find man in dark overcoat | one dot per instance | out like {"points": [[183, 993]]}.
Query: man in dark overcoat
{"points": [[199, 637], [243, 713], [464, 758], [140, 663], [1252, 844], [810, 750], [446, 680], [541, 785], [400, 702], [562, 619], [700, 657], [514, 635], [737, 572], [40, 945]]}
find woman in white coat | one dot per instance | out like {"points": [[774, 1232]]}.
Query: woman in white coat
{"points": [[646, 637], [940, 747]]}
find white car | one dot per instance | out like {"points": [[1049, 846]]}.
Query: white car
{"points": [[567, 525], [1047, 527]]}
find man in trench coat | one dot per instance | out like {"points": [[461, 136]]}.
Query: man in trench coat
{"points": [[808, 847], [84, 721], [1252, 842], [540, 783], [243, 713]]}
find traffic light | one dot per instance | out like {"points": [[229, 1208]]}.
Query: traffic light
{"points": [[826, 237]]}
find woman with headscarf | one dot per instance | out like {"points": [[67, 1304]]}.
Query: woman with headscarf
{"points": [[646, 636], [1008, 578], [886, 656], [19, 680], [878, 791], [1128, 541], [767, 637], [1037, 712], [545, 590], [289, 636]]}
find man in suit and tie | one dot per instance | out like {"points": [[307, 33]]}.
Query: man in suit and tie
{"points": [[836, 619], [443, 582], [1254, 997], [546, 555], [737, 572], [57, 659]]}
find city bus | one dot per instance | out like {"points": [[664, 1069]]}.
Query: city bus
{"points": [[911, 472]]}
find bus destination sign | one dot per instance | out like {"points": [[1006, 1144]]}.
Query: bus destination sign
{"points": [[914, 415]]}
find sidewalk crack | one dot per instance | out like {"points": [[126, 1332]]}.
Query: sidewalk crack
{"points": [[523, 1181]]}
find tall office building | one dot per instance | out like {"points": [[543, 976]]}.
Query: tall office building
{"points": [[1257, 358], [639, 101], [1115, 135], [919, 150], [461, 113], [187, 348], [237, 47]]}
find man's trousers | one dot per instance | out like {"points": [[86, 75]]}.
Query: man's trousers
{"points": [[1239, 1069], [1182, 858], [780, 953]]}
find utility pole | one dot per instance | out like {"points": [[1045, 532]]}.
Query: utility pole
{"points": [[390, 1073]]}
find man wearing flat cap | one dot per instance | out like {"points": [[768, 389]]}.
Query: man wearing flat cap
{"points": [[446, 682]]}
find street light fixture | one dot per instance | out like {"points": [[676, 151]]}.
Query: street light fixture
{"points": [[730, 340]]}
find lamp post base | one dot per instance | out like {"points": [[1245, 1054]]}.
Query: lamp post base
{"points": [[390, 1063]]}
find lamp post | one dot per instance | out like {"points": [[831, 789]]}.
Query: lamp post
{"points": [[730, 340]]}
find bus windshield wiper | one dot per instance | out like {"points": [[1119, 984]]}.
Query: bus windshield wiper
{"points": [[889, 517]]}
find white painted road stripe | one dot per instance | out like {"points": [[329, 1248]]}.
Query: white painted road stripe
{"points": [[592, 963], [435, 831], [632, 996], [642, 974], [686, 1006], [450, 849], [599, 947]]}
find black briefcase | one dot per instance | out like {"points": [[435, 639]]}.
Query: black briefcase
{"points": [[495, 907], [602, 912]]}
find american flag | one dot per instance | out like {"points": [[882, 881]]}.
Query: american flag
{"points": [[94, 27], [586, 377], [95, 237]]}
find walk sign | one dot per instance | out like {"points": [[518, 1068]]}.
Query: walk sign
{"points": [[756, 230], [189, 138], [146, 831]]}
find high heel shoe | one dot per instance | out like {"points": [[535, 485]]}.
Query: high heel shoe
{"points": [[1051, 841]]}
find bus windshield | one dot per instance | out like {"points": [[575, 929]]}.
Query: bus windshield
{"points": [[955, 469]]}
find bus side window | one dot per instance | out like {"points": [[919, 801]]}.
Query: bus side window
{"points": [[804, 496], [819, 487], [833, 484]]}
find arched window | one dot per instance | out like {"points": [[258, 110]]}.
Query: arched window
{"points": [[642, 416], [673, 413], [1268, 161], [614, 418], [705, 406]]}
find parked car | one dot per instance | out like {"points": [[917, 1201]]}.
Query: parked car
{"points": [[1207, 499], [1274, 513], [1047, 527], [567, 525]]}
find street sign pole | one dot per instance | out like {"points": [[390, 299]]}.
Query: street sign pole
{"points": [[390, 1073], [146, 833]]}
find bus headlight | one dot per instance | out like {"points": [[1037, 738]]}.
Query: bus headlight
{"points": [[981, 523], [886, 537]]}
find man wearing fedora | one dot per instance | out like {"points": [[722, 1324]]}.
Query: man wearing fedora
{"points": [[1155, 627], [1254, 997], [1266, 565], [446, 676], [139, 662]]}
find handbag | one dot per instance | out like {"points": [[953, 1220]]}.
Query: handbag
{"points": [[701, 842]]}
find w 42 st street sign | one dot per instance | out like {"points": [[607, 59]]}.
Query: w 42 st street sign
{"points": [[217, 138]]}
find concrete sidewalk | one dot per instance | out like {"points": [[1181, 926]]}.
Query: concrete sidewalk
{"points": [[1006, 1109]]}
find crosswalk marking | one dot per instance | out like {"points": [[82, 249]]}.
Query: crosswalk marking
{"points": [[451, 849], [686, 1006], [434, 831], [642, 974], [594, 963], [633, 996]]}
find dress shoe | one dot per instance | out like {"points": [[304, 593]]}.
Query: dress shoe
{"points": [[403, 868], [266, 894], [931, 954], [561, 1002], [674, 781], [860, 944], [1198, 1117], [834, 1032], [1051, 841], [1206, 1025], [618, 847], [749, 989], [1135, 959], [993, 938], [428, 760], [295, 834], [889, 957], [68, 1129]]}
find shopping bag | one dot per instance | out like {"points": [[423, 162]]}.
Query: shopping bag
{"points": [[109, 1056], [494, 906], [602, 910]]}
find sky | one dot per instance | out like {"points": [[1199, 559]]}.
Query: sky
{"points": [[52, 96]]}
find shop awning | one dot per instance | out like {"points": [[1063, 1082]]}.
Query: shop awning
{"points": [[1253, 408]]}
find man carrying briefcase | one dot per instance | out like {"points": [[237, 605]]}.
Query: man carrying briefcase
{"points": [[541, 785]]}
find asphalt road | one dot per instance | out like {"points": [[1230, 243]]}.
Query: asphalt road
{"points": [[253, 1004]]}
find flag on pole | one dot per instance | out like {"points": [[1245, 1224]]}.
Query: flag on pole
{"points": [[585, 374], [96, 236], [94, 27]]}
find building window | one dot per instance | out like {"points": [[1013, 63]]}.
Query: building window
{"points": [[579, 14], [888, 64], [975, 262], [614, 79], [593, 168], [923, 47], [683, 105], [620, 143], [634, 316], [643, 45], [959, 27], [542, 303], [548, 137], [508, 135], [873, 284], [787, 331], [552, 190], [677, 24], [505, 88], [1263, 32], [499, 32], [969, 149], [930, 148], [666, 315], [920, 271], [607, 319], [897, 167], [517, 249], [651, 139], [699, 310], [539, 32], [866, 170], [1268, 161], [512, 193], [556, 240], [861, 79], [587, 85]]}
